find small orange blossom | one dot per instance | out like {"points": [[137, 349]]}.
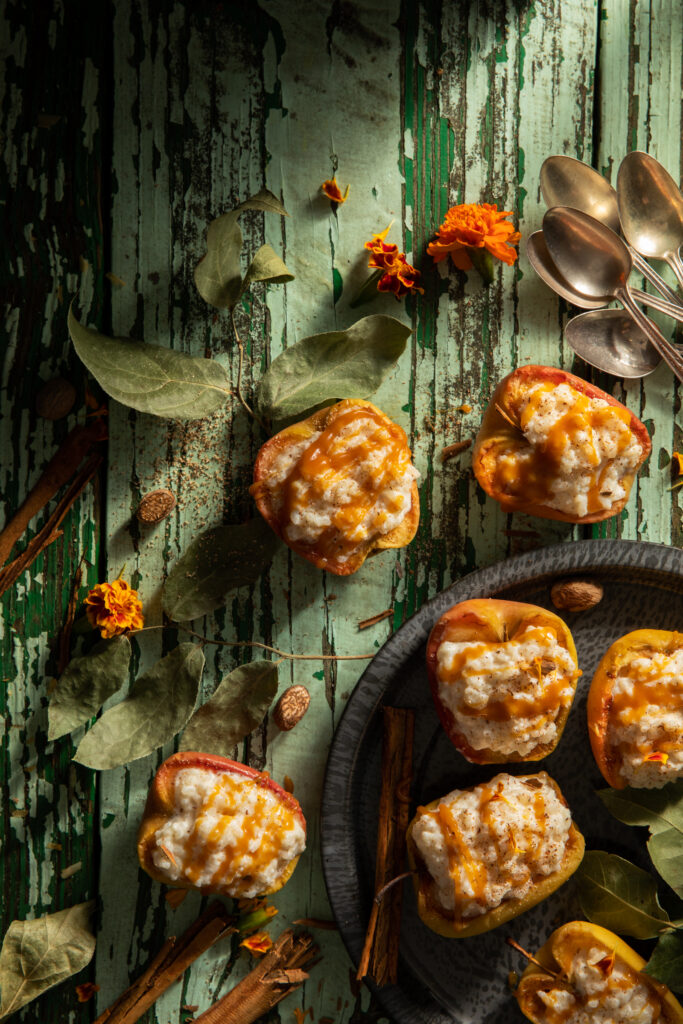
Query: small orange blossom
{"points": [[86, 991], [114, 608], [332, 191], [258, 944], [474, 226], [398, 275]]}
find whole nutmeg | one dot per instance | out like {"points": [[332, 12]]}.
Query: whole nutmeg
{"points": [[155, 506], [55, 399], [291, 707], [576, 595]]}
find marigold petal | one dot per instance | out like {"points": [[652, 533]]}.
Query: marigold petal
{"points": [[331, 189]]}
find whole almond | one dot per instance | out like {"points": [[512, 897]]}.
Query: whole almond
{"points": [[55, 399], [576, 595], [291, 707], [155, 506]]}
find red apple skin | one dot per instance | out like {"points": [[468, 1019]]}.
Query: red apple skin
{"points": [[490, 620], [160, 805], [496, 435]]}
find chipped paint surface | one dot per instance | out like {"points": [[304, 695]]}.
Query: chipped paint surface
{"points": [[145, 121]]}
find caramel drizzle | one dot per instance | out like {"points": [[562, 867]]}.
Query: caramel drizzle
{"points": [[649, 690]]}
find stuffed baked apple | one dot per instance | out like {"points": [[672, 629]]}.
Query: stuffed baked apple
{"points": [[597, 978], [555, 446], [219, 826], [635, 710], [503, 676], [339, 486], [484, 855]]}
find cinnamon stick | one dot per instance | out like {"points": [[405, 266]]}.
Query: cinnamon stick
{"points": [[172, 960], [281, 972], [49, 533], [455, 449], [374, 619], [379, 959], [58, 471]]}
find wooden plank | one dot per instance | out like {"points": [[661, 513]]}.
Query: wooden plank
{"points": [[640, 108], [51, 153]]}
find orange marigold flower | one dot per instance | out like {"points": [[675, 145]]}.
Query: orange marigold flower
{"points": [[258, 944], [333, 192], [86, 991], [474, 226], [677, 460], [399, 276], [114, 608]]}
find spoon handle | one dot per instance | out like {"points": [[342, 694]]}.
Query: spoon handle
{"points": [[665, 349], [661, 305], [648, 272], [676, 264]]}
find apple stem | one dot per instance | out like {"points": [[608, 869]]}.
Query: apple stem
{"points": [[381, 893], [516, 945]]}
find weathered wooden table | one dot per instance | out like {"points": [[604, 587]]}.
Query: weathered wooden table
{"points": [[125, 127]]}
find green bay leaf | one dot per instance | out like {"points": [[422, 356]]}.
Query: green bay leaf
{"points": [[214, 565], [159, 704], [218, 275], [659, 809], [236, 708], [666, 851], [86, 683], [150, 378], [666, 962], [41, 953], [620, 896], [325, 367]]}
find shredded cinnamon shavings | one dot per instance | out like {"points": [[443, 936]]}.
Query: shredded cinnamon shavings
{"points": [[532, 959], [169, 854], [455, 449], [174, 897], [374, 619], [508, 418], [317, 922]]}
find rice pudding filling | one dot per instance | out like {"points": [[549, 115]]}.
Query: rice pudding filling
{"points": [[645, 724], [599, 988], [575, 453], [229, 834], [492, 843], [346, 484], [507, 696]]}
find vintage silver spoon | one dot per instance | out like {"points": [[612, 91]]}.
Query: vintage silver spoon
{"points": [[651, 209], [595, 261], [569, 182], [611, 340], [541, 260]]}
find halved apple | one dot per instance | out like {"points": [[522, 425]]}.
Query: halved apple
{"points": [[198, 846], [575, 454], [501, 633], [621, 694], [552, 982], [452, 922], [356, 476]]}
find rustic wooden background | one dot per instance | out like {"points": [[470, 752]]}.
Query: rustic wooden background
{"points": [[125, 126]]}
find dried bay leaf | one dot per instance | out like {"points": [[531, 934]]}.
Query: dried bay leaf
{"points": [[666, 851], [266, 266], [216, 563], [86, 683], [157, 707], [150, 378], [339, 364], [620, 896], [41, 953], [666, 962], [236, 708], [218, 275]]}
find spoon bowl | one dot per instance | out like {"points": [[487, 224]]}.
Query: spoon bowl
{"points": [[651, 209], [612, 341], [569, 182]]}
